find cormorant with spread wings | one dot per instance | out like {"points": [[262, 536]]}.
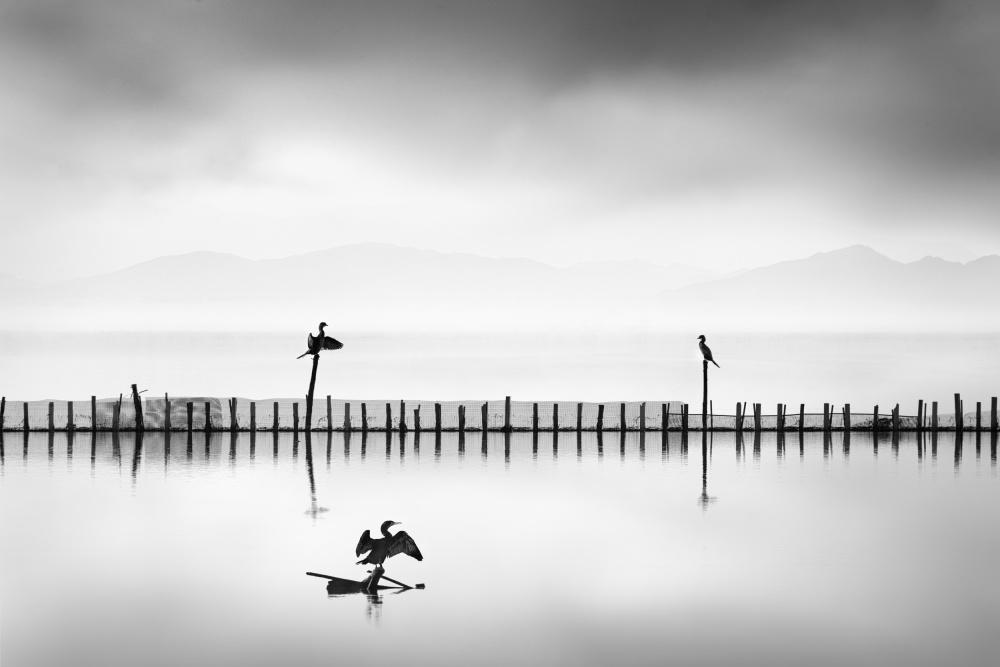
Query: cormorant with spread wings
{"points": [[386, 546], [316, 344]]}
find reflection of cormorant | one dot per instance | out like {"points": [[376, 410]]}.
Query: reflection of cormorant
{"points": [[386, 546], [320, 342], [705, 352]]}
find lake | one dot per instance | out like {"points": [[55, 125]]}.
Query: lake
{"points": [[861, 369], [548, 551]]}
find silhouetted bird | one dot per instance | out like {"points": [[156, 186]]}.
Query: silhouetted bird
{"points": [[705, 352], [386, 546], [320, 342]]}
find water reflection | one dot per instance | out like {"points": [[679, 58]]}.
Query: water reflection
{"points": [[314, 508], [704, 499]]}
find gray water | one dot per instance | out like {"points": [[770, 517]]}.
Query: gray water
{"points": [[562, 551]]}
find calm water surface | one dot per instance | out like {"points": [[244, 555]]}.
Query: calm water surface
{"points": [[564, 552]]}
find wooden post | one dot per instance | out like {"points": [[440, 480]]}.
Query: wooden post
{"points": [[826, 418], [166, 412], [52, 416], [600, 417], [461, 419], [116, 415], [309, 395], [993, 415], [69, 417], [208, 416], [621, 418], [3, 408], [190, 415], [295, 416], [847, 417], [934, 419], [684, 418], [534, 418], [920, 416], [364, 419], [402, 416], [959, 417], [276, 424], [757, 418], [329, 414], [388, 417], [664, 416], [739, 416], [979, 416], [875, 419], [485, 417], [555, 419], [579, 417], [137, 403], [347, 417], [506, 415], [437, 418], [704, 395], [26, 425], [253, 416], [416, 420], [781, 420], [93, 413], [642, 418], [233, 426]]}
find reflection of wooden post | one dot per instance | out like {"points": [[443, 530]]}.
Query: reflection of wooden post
{"points": [[959, 417], [600, 417]]}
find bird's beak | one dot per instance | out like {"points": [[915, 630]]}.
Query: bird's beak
{"points": [[396, 523]]}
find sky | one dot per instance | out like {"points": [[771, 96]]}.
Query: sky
{"points": [[723, 135]]}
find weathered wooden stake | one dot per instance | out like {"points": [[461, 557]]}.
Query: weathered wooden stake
{"points": [[116, 415], [347, 417], [208, 416], [781, 420], [895, 419], [847, 417], [920, 415], [388, 417], [3, 408], [579, 417], [233, 426], [600, 417], [757, 418], [416, 420], [402, 416], [642, 419], [555, 420], [664, 416], [295, 417], [309, 395], [934, 418], [506, 415], [802, 417], [979, 416], [534, 418], [93, 413], [52, 416], [253, 417], [190, 415], [959, 417], [329, 414], [69, 417], [276, 424], [704, 395], [826, 418], [27, 427], [684, 418], [485, 417], [437, 417], [875, 419], [993, 415], [461, 419], [739, 416], [140, 425], [621, 419], [364, 419]]}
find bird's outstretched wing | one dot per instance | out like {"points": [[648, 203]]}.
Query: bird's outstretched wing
{"points": [[402, 543], [364, 544], [331, 343]]}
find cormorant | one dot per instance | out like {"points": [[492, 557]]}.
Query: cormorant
{"points": [[386, 546], [320, 342], [705, 352]]}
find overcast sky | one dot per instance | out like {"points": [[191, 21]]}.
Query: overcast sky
{"points": [[716, 134]]}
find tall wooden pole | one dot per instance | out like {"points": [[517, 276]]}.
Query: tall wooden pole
{"points": [[309, 396], [704, 395]]}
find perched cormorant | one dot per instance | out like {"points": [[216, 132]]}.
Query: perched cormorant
{"points": [[386, 546], [320, 342], [705, 352]]}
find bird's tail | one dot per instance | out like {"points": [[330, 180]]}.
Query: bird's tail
{"points": [[716, 365], [302, 355]]}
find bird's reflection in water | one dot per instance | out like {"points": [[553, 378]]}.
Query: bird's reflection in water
{"points": [[373, 610], [314, 509]]}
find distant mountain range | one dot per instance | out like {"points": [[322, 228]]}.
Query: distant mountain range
{"points": [[379, 286]]}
